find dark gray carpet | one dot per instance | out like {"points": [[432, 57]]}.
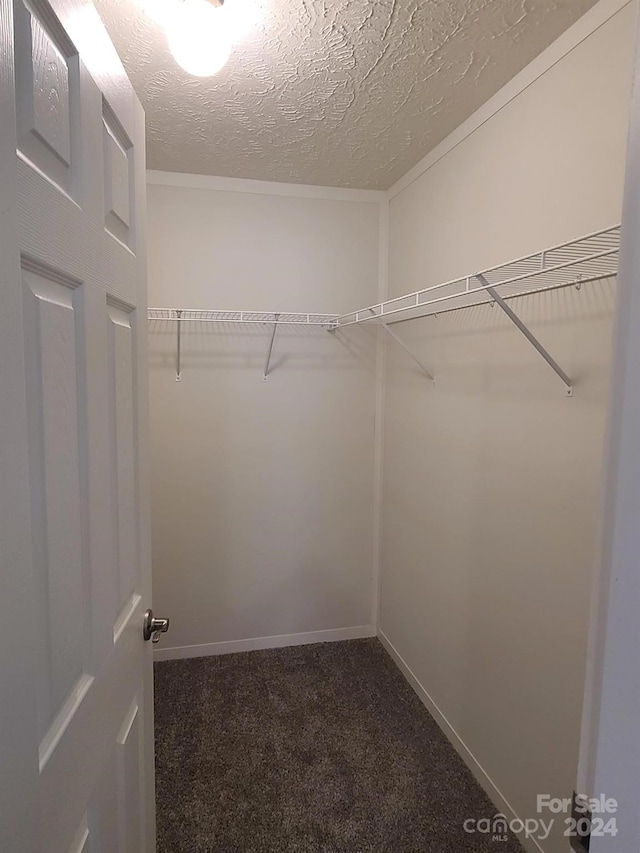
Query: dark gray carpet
{"points": [[311, 749]]}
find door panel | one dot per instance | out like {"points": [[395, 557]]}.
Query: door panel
{"points": [[47, 93], [121, 362], [61, 584], [77, 577], [128, 746], [118, 179]]}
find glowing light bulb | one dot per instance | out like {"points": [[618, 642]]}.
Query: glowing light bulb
{"points": [[198, 38], [241, 17]]}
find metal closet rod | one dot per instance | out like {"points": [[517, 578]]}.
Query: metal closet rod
{"points": [[438, 312], [574, 263]]}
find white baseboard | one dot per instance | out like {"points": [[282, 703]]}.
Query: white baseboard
{"points": [[458, 744], [205, 649]]}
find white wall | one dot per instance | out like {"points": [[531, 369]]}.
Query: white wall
{"points": [[491, 477], [262, 492]]}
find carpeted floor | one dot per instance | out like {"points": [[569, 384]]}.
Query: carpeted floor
{"points": [[310, 749]]}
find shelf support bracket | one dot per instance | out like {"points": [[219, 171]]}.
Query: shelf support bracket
{"points": [[402, 344], [273, 337], [553, 364], [178, 346]]}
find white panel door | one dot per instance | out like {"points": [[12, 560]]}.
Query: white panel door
{"points": [[76, 728]]}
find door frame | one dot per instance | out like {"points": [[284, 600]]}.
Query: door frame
{"points": [[609, 762]]}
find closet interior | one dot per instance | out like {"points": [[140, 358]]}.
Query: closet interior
{"points": [[423, 464]]}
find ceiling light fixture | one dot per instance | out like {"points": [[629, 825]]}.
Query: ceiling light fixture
{"points": [[201, 33], [198, 39]]}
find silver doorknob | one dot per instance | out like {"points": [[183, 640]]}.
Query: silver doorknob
{"points": [[152, 627]]}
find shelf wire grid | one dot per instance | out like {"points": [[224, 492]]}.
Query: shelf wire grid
{"points": [[577, 262], [184, 315]]}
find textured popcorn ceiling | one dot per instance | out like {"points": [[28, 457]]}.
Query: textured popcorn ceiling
{"points": [[348, 93]]}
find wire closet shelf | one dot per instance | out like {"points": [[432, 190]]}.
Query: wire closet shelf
{"points": [[183, 315], [574, 263], [577, 262]]}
